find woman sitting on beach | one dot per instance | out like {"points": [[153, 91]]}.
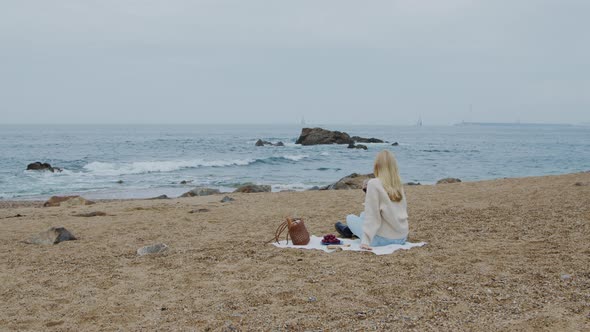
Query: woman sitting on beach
{"points": [[385, 219]]}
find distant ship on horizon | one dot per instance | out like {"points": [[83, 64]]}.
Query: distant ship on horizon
{"points": [[419, 123], [516, 123]]}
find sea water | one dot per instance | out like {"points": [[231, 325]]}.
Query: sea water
{"points": [[138, 161]]}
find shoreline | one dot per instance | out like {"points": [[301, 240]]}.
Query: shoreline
{"points": [[38, 202]]}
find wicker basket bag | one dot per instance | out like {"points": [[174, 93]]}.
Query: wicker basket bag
{"points": [[295, 229]]}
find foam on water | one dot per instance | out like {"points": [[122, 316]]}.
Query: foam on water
{"points": [[290, 186], [296, 157], [140, 161], [142, 167]]}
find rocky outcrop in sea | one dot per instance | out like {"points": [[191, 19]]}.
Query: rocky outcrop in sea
{"points": [[39, 166], [357, 146], [317, 136], [260, 142], [359, 139]]}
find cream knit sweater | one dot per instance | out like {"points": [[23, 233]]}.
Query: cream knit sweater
{"points": [[382, 216]]}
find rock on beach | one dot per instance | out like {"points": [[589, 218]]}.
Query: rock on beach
{"points": [[227, 199], [202, 210], [91, 214], [352, 181], [53, 235], [448, 180], [160, 197], [67, 201], [201, 191], [152, 249], [253, 188]]}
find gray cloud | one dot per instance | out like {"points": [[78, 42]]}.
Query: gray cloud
{"points": [[275, 61]]}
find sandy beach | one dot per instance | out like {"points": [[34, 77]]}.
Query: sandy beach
{"points": [[508, 254]]}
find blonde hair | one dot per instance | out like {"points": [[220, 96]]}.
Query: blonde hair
{"points": [[385, 169]]}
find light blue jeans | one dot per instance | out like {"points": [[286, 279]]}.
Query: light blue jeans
{"points": [[355, 223]]}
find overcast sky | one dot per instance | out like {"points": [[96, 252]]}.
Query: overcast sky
{"points": [[336, 61]]}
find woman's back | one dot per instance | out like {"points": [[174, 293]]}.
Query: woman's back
{"points": [[384, 217]]}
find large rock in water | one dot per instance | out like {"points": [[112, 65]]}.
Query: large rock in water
{"points": [[67, 201], [39, 166], [358, 146], [53, 235], [201, 191], [315, 136], [352, 181], [448, 180], [253, 188], [263, 143], [359, 139]]}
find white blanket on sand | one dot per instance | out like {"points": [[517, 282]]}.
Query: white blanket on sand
{"points": [[315, 243]]}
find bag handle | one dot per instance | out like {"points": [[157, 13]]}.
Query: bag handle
{"points": [[280, 230], [285, 225]]}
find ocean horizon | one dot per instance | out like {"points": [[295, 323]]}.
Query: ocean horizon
{"points": [[146, 160]]}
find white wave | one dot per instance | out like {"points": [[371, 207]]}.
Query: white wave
{"points": [[290, 186], [296, 157], [140, 167], [46, 174], [325, 153]]}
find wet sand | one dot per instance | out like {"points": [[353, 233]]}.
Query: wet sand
{"points": [[510, 254]]}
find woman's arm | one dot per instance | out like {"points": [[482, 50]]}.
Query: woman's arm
{"points": [[372, 220]]}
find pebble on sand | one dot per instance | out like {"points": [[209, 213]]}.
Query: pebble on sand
{"points": [[91, 214], [199, 210], [152, 249], [227, 199]]}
